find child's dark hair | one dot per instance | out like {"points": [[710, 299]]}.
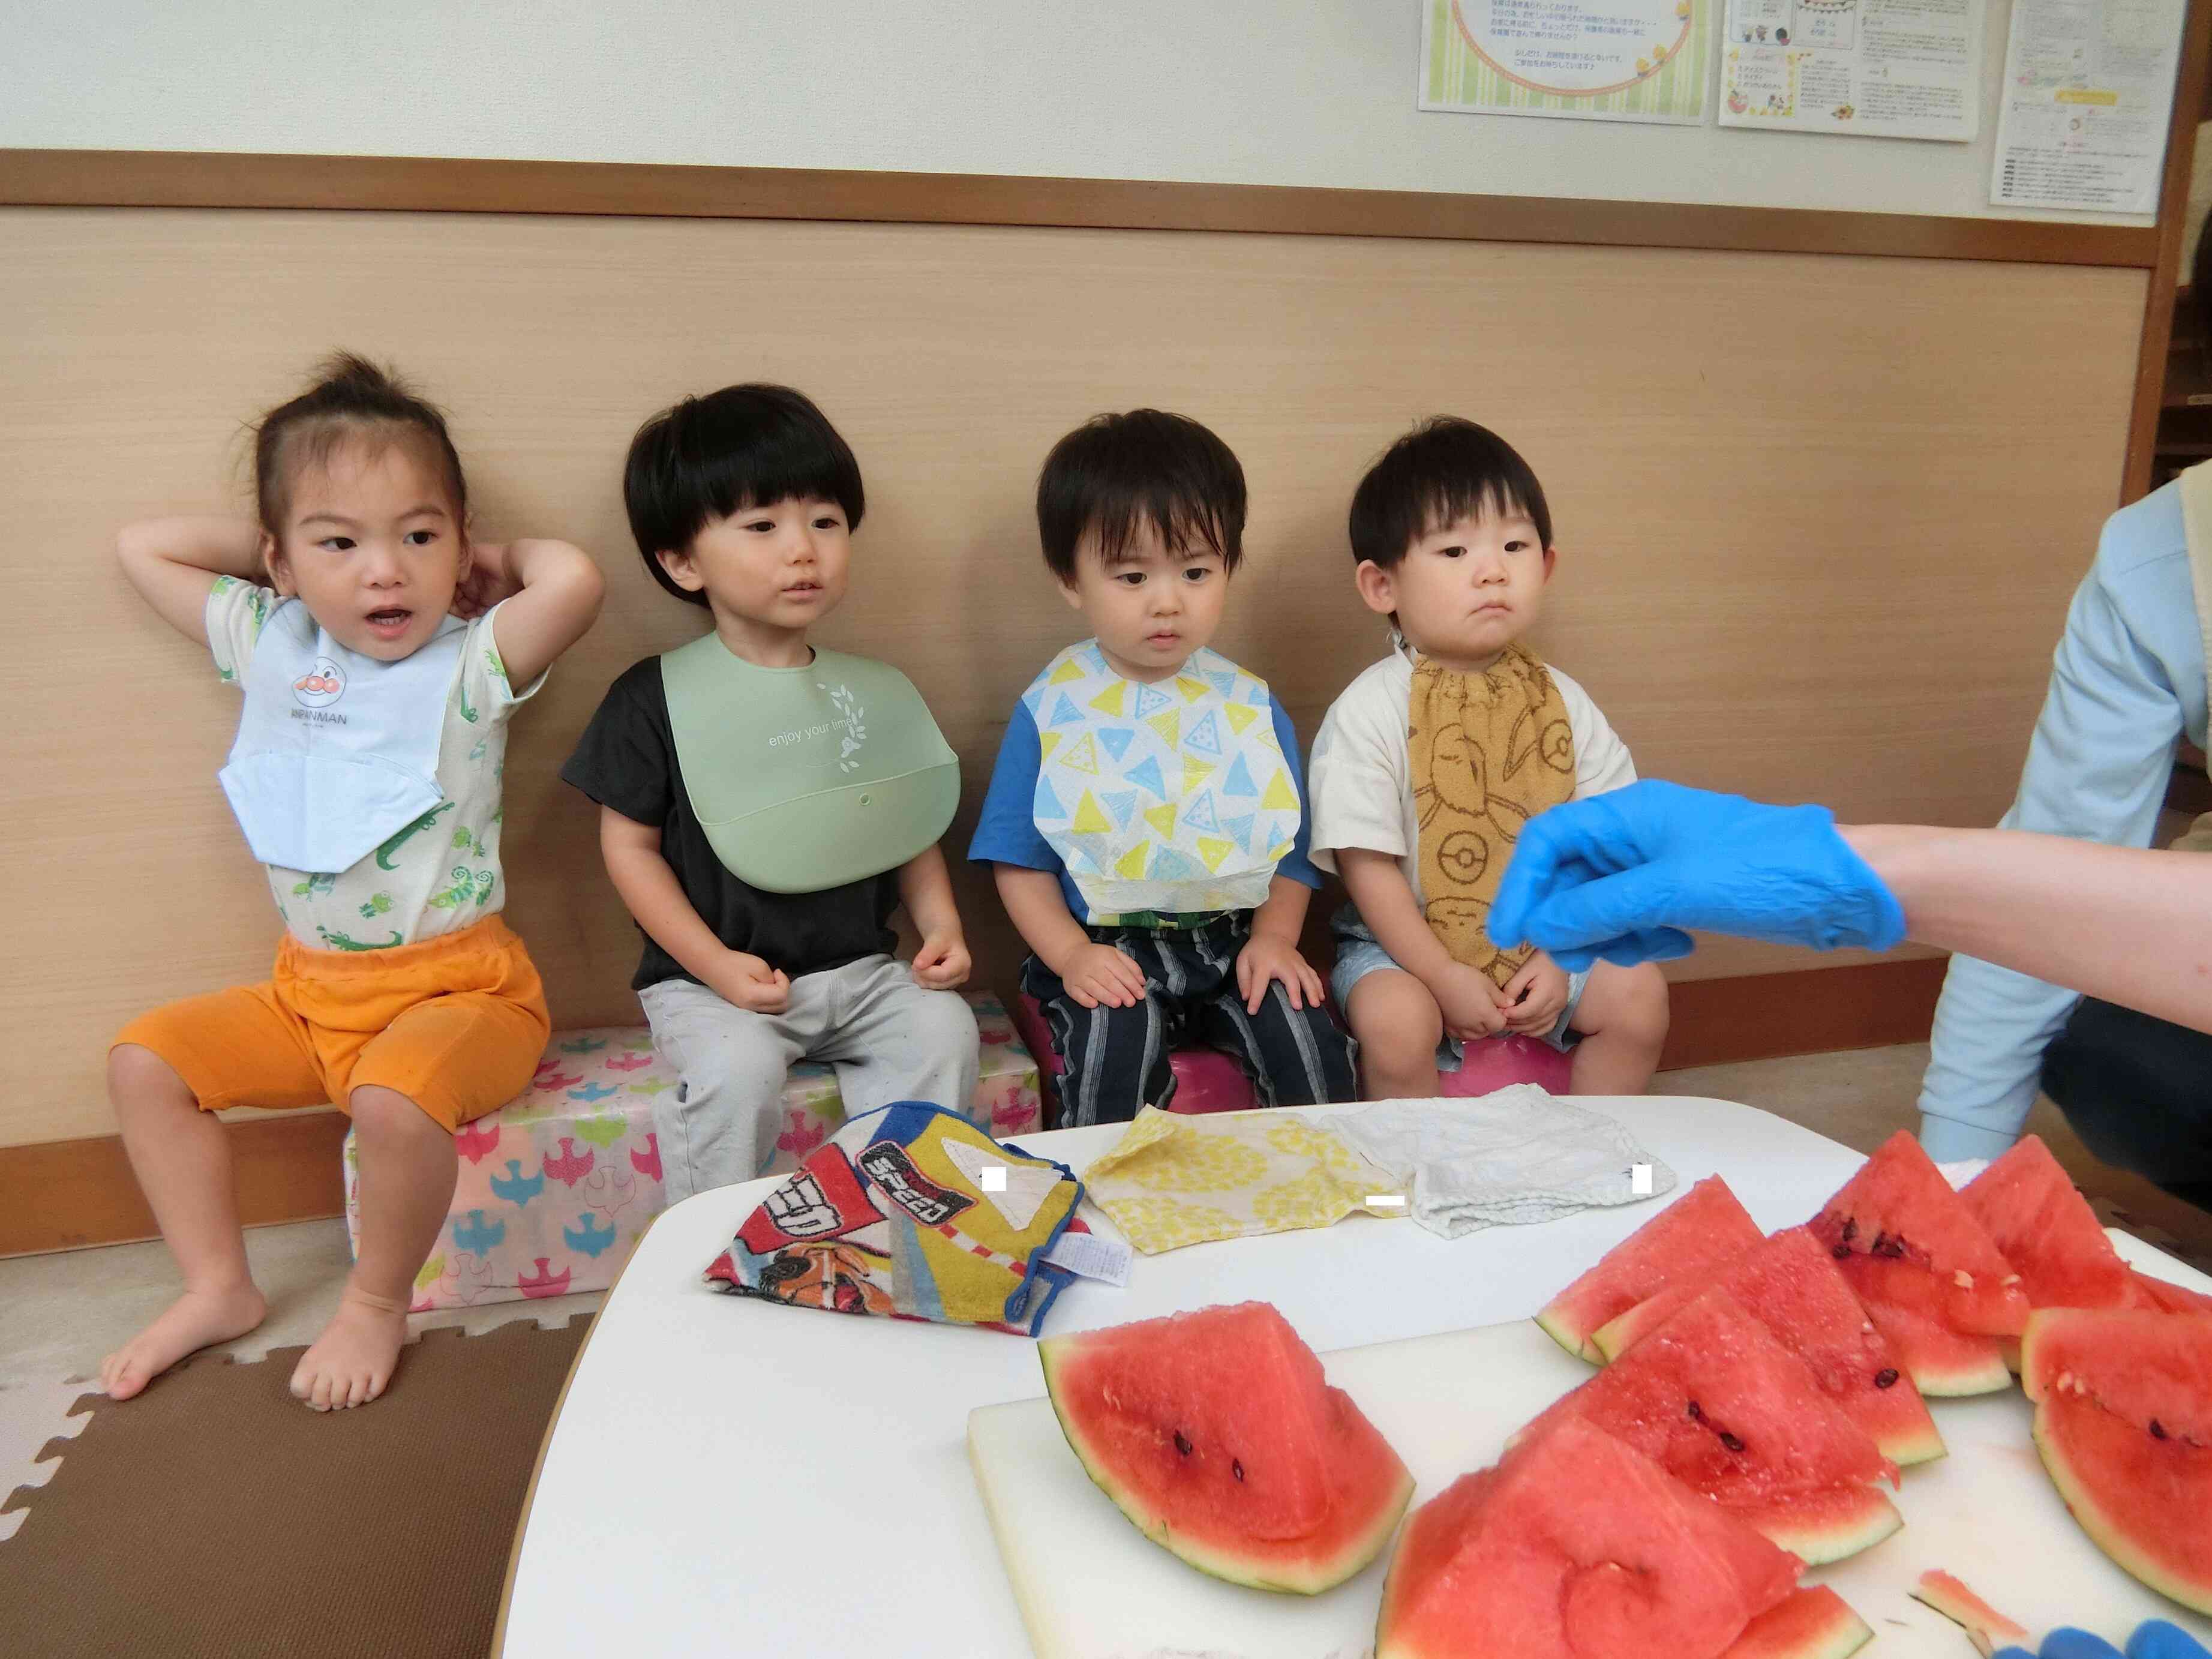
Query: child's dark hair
{"points": [[745, 446], [1116, 471], [351, 399], [1444, 469]]}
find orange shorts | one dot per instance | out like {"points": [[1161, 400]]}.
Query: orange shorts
{"points": [[456, 1024]]}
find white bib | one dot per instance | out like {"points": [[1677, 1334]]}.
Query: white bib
{"points": [[1171, 798], [336, 751]]}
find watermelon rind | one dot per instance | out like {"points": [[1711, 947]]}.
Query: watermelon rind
{"points": [[2067, 1428], [1813, 1623], [1942, 1363], [1852, 1519], [1989, 1629], [1296, 1566]]}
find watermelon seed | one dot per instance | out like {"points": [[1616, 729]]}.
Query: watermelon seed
{"points": [[2157, 1430], [1236, 1468], [1886, 1378], [1842, 1253], [1731, 1441], [1182, 1444], [1697, 1413], [1851, 1229]]}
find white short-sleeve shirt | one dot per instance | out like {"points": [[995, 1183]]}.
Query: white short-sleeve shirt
{"points": [[1360, 785]]}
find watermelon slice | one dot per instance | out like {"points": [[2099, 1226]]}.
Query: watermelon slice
{"points": [[2046, 1231], [2156, 1294], [1715, 1402], [1926, 1272], [1789, 1284], [1812, 1622], [1215, 1432], [1688, 1241], [1576, 1547], [2124, 1424], [1988, 1629]]}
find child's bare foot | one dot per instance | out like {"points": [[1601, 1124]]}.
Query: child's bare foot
{"points": [[192, 1322], [352, 1360]]}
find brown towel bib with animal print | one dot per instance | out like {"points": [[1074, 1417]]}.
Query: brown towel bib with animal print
{"points": [[1489, 752]]}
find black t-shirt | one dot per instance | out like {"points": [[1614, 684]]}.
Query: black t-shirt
{"points": [[626, 760]]}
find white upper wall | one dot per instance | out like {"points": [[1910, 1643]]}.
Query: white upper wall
{"points": [[1279, 92]]}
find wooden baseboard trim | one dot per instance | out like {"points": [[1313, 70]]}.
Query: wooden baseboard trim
{"points": [[187, 179], [1718, 1022], [68, 1195]]}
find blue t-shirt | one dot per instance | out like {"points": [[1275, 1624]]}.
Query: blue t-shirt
{"points": [[1006, 833]]}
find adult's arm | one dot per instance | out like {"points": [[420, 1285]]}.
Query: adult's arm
{"points": [[2128, 674]]}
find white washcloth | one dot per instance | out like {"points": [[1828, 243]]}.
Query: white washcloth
{"points": [[1518, 1154]]}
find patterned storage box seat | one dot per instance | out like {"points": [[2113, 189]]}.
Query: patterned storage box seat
{"points": [[556, 1188]]}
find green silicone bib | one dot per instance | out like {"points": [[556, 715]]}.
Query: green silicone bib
{"points": [[808, 778]]}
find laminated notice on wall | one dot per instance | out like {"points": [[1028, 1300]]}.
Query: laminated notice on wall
{"points": [[1599, 60], [2088, 91], [1879, 69]]}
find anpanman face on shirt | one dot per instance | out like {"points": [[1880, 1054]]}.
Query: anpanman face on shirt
{"points": [[770, 573], [372, 546], [1152, 605], [1467, 590]]}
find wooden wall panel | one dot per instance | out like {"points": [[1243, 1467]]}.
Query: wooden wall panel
{"points": [[1820, 515]]}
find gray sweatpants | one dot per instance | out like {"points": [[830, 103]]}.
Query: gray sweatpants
{"points": [[888, 1037]]}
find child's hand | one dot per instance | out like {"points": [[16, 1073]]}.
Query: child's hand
{"points": [[941, 963], [1099, 973], [1535, 997], [1267, 958], [1469, 1002], [750, 983], [491, 578]]}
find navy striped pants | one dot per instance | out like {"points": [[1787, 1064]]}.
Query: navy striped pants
{"points": [[1116, 1058]]}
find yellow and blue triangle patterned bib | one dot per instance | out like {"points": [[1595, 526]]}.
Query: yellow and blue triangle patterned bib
{"points": [[1171, 797]]}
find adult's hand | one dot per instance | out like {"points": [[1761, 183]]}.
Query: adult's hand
{"points": [[1618, 876], [2154, 1638]]}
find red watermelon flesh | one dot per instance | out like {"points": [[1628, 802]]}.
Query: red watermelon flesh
{"points": [[2144, 1366], [2144, 1291], [1791, 1284], [1812, 1622], [2124, 1425], [1217, 1433], [1899, 1210], [1689, 1241], [2142, 1501], [1942, 1363], [1575, 1547], [2046, 1231], [1715, 1400]]}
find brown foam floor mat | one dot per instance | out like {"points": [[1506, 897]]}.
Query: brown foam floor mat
{"points": [[216, 1518]]}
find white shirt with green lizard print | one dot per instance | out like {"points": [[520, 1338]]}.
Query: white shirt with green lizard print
{"points": [[442, 872]]}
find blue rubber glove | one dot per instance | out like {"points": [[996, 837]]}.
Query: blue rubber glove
{"points": [[2154, 1639], [1617, 876]]}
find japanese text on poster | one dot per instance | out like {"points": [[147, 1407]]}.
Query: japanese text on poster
{"points": [[1607, 60], [2088, 88], [1886, 69]]}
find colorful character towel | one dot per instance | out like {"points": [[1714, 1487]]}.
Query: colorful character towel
{"points": [[1174, 1180], [911, 1212]]}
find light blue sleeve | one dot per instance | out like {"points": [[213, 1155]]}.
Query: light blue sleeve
{"points": [[2127, 680], [1299, 865]]}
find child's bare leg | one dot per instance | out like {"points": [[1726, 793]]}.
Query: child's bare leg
{"points": [[183, 1165], [407, 1166], [1623, 1020], [1399, 1025]]}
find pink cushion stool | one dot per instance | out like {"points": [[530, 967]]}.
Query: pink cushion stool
{"points": [[1207, 1080]]}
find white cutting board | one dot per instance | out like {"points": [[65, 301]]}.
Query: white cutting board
{"points": [[1092, 1587]]}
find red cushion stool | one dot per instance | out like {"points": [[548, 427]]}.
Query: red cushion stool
{"points": [[1207, 1080]]}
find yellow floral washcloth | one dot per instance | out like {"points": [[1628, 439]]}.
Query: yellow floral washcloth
{"points": [[1175, 1181]]}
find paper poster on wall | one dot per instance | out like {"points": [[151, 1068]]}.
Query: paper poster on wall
{"points": [[1598, 60], [1877, 68], [2088, 90]]}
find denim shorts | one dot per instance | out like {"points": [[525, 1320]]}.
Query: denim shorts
{"points": [[1359, 953]]}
